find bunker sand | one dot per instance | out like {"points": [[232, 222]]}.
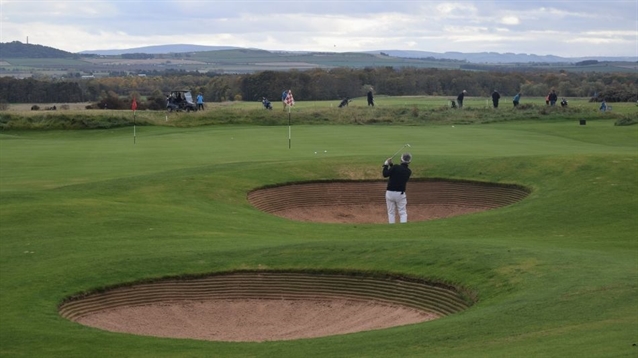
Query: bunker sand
{"points": [[364, 201], [254, 320]]}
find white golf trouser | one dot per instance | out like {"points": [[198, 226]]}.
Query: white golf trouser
{"points": [[396, 200]]}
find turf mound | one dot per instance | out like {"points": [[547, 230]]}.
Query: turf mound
{"points": [[364, 201], [265, 305]]}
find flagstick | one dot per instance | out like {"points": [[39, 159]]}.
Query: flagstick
{"points": [[289, 129], [134, 108]]}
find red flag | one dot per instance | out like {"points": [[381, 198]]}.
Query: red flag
{"points": [[134, 104], [289, 100]]}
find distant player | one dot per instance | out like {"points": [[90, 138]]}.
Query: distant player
{"points": [[284, 94], [517, 99], [495, 97], [459, 99]]}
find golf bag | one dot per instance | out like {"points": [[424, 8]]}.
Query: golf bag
{"points": [[344, 103]]}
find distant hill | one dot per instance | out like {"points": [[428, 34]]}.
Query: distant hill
{"points": [[17, 49], [234, 60], [159, 49], [494, 57], [477, 57]]}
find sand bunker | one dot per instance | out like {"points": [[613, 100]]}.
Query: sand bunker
{"points": [[264, 306], [364, 201]]}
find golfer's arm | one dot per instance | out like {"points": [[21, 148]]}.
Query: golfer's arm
{"points": [[386, 170]]}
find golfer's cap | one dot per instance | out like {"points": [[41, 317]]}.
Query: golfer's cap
{"points": [[406, 158]]}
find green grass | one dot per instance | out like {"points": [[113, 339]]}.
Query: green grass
{"points": [[45, 62], [556, 274]]}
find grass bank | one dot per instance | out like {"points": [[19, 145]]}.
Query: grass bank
{"points": [[388, 111]]}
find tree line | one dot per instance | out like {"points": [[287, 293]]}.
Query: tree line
{"points": [[319, 84]]}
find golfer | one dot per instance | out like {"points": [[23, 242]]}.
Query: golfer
{"points": [[460, 97], [495, 97], [395, 197], [517, 99], [284, 94], [200, 102]]}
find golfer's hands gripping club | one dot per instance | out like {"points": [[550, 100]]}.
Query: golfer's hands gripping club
{"points": [[388, 161]]}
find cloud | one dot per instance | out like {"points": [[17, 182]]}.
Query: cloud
{"points": [[510, 20], [565, 28], [456, 10]]}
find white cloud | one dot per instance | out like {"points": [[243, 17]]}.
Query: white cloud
{"points": [[596, 40], [510, 20], [456, 9], [558, 13], [628, 34]]}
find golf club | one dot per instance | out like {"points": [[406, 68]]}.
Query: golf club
{"points": [[400, 149]]}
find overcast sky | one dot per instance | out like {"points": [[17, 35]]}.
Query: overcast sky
{"points": [[562, 28]]}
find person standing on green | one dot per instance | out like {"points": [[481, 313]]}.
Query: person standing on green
{"points": [[517, 99], [495, 97], [200, 102], [553, 97], [460, 97], [284, 94]]}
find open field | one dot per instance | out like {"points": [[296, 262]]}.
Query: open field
{"points": [[254, 60], [227, 61], [556, 274]]}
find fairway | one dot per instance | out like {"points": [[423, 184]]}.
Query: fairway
{"points": [[554, 274]]}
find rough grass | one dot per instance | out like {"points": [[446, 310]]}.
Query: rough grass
{"points": [[389, 110]]}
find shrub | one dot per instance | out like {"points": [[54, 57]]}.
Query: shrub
{"points": [[616, 94], [155, 103], [415, 111], [113, 101]]}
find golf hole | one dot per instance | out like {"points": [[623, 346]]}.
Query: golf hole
{"points": [[256, 306], [351, 201]]}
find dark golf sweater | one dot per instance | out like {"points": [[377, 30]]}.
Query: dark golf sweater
{"points": [[399, 175]]}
